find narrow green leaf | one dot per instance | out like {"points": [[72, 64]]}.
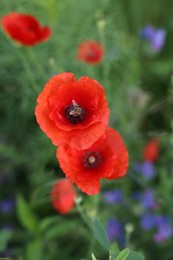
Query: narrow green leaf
{"points": [[5, 236], [123, 254], [100, 234], [93, 257], [25, 214], [135, 256]]}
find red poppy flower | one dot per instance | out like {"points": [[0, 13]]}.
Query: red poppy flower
{"points": [[73, 112], [106, 158], [151, 150], [63, 196], [24, 28], [90, 52]]}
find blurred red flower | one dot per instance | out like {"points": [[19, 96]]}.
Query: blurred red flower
{"points": [[90, 52], [24, 28], [63, 196], [151, 150], [73, 112], [106, 158]]}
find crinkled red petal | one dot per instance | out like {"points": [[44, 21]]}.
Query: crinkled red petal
{"points": [[114, 162], [57, 95]]}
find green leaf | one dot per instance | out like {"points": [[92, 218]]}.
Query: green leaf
{"points": [[123, 254], [100, 234], [135, 256], [93, 257], [63, 228], [47, 222], [34, 249], [25, 214], [5, 236]]}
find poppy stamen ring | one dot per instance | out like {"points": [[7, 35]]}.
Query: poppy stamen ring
{"points": [[92, 159]]}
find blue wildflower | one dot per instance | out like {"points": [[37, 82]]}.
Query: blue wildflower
{"points": [[146, 199], [147, 221], [7, 205], [164, 233], [161, 223], [146, 169], [161, 219], [113, 197], [147, 32], [115, 231], [156, 37], [164, 228], [158, 40]]}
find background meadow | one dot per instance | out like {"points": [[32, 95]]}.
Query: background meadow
{"points": [[137, 210]]}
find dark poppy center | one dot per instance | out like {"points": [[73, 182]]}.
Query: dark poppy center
{"points": [[74, 113], [92, 159]]}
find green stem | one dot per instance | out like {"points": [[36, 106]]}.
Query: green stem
{"points": [[127, 237], [83, 216], [105, 66], [93, 240], [110, 255], [35, 62], [28, 71]]}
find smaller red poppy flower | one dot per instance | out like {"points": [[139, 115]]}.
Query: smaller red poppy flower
{"points": [[151, 150], [90, 52], [106, 158], [73, 112], [63, 196], [24, 29]]}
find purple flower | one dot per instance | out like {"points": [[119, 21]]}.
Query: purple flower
{"points": [[147, 221], [162, 225], [156, 37], [147, 32], [7, 206], [161, 219], [165, 229], [115, 231], [146, 169], [113, 197], [146, 199], [165, 232], [158, 40]]}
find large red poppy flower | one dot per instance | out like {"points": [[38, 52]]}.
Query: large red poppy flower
{"points": [[90, 52], [24, 28], [73, 112], [151, 150], [107, 158], [63, 196]]}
